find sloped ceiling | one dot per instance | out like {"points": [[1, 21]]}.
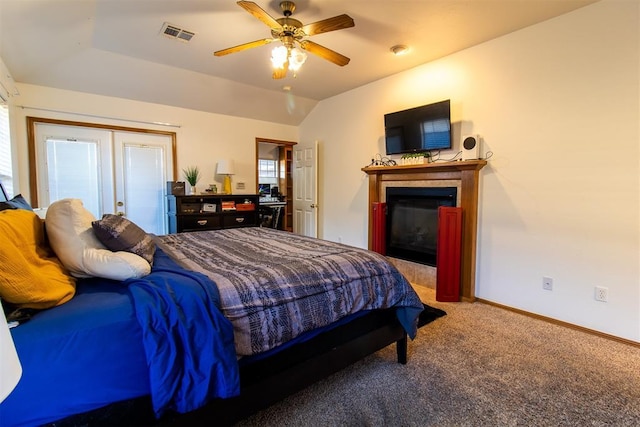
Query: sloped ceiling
{"points": [[115, 47]]}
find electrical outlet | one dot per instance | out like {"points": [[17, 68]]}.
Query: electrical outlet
{"points": [[602, 293], [547, 283]]}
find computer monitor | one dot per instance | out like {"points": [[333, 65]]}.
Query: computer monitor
{"points": [[264, 189]]}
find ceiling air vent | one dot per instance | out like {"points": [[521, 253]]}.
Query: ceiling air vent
{"points": [[177, 33]]}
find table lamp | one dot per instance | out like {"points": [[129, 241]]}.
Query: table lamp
{"points": [[10, 368], [225, 167]]}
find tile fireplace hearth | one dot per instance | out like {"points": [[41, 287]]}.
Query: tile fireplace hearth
{"points": [[464, 175]]}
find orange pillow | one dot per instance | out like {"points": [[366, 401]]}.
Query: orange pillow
{"points": [[31, 277]]}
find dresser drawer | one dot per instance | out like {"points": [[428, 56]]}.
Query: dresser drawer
{"points": [[239, 219], [200, 222]]}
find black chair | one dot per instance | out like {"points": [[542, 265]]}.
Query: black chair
{"points": [[277, 217]]}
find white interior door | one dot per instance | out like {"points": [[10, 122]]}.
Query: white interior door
{"points": [[305, 189], [111, 172]]}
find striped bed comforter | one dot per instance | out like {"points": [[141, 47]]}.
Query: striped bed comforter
{"points": [[275, 285]]}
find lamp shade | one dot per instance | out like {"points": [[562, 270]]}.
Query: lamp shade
{"points": [[225, 167], [10, 368]]}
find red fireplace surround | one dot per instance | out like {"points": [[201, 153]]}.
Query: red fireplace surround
{"points": [[468, 175]]}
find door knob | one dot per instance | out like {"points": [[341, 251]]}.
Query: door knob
{"points": [[313, 205], [120, 213]]}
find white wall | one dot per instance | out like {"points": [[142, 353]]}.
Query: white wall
{"points": [[558, 105], [202, 138]]}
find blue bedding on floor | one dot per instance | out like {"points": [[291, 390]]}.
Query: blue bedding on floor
{"points": [[90, 351]]}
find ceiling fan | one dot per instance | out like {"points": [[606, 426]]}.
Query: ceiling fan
{"points": [[292, 33]]}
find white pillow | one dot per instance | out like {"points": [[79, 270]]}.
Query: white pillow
{"points": [[68, 225]]}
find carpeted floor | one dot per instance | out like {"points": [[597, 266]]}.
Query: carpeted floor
{"points": [[478, 365]]}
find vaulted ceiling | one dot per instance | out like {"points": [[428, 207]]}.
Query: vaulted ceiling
{"points": [[117, 47]]}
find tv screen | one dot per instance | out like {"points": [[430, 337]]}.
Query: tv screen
{"points": [[423, 128]]}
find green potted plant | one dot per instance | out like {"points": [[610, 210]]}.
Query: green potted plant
{"points": [[192, 175]]}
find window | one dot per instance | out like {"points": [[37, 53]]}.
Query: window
{"points": [[6, 171], [267, 168], [73, 171]]}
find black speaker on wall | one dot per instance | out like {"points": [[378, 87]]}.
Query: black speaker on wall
{"points": [[471, 147]]}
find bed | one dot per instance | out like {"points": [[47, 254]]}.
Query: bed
{"points": [[225, 323]]}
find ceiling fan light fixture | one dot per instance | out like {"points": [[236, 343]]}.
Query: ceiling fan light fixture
{"points": [[292, 34], [399, 49], [296, 59], [283, 57], [279, 56]]}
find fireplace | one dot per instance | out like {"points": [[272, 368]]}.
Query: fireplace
{"points": [[412, 221], [465, 176]]}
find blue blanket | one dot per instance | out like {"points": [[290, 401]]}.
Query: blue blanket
{"points": [[188, 342]]}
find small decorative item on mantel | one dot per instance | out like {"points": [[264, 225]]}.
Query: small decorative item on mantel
{"points": [[192, 175], [415, 158]]}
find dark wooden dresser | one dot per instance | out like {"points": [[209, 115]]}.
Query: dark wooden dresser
{"points": [[211, 212]]}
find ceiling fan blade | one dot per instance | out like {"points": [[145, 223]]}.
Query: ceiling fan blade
{"points": [[259, 13], [331, 24], [243, 46], [324, 52], [281, 73]]}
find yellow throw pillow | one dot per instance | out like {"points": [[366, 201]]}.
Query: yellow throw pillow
{"points": [[30, 277]]}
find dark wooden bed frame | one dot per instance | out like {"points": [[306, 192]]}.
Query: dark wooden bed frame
{"points": [[268, 380]]}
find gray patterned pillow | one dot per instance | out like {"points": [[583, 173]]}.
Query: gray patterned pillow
{"points": [[18, 202], [118, 233]]}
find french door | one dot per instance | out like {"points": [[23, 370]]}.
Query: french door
{"points": [[111, 171]]}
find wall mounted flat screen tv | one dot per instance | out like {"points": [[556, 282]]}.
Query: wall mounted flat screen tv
{"points": [[423, 128]]}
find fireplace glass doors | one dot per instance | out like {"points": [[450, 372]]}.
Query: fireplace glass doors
{"points": [[412, 221]]}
